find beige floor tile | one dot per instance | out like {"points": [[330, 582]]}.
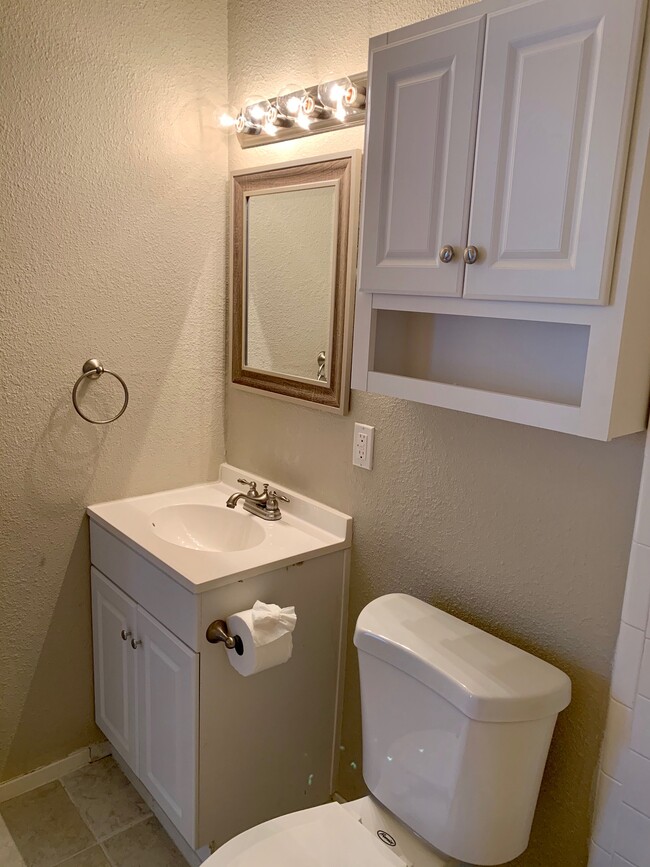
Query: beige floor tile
{"points": [[105, 798], [9, 855], [144, 845], [46, 827], [90, 858]]}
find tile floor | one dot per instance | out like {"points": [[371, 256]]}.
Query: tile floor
{"points": [[90, 818]]}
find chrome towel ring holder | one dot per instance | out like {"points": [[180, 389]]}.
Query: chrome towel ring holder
{"points": [[93, 369]]}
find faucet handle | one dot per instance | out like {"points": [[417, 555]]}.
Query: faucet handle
{"points": [[275, 496], [252, 487]]}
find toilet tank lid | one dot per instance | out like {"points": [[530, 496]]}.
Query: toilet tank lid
{"points": [[484, 677]]}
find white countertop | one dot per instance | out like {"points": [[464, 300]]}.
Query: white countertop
{"points": [[307, 529]]}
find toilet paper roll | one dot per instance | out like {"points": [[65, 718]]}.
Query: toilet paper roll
{"points": [[255, 657]]}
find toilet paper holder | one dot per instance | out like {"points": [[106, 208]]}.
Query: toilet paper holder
{"points": [[217, 631]]}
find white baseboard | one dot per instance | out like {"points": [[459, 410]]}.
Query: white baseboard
{"points": [[19, 785]]}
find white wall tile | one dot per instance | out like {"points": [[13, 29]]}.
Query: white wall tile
{"points": [[627, 663], [608, 806], [636, 784], [640, 739], [644, 677], [622, 814], [633, 837], [598, 857], [617, 739], [637, 588]]}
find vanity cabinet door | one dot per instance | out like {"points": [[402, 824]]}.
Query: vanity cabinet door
{"points": [[168, 721], [419, 158], [114, 624], [552, 137]]}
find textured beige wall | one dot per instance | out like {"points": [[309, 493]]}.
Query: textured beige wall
{"points": [[523, 532], [113, 212]]}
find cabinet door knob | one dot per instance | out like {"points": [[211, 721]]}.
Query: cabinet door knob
{"points": [[125, 634], [446, 254], [470, 256], [135, 644]]}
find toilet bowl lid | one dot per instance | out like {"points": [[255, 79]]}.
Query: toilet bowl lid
{"points": [[326, 836]]}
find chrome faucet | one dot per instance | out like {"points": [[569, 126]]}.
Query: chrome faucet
{"points": [[264, 505]]}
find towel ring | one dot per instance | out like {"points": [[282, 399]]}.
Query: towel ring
{"points": [[93, 369]]}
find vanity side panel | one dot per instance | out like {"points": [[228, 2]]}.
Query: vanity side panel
{"points": [[267, 741], [156, 592]]}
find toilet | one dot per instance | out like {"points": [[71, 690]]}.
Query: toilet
{"points": [[456, 729]]}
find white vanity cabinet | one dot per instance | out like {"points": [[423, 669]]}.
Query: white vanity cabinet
{"points": [[502, 264], [146, 699], [215, 752]]}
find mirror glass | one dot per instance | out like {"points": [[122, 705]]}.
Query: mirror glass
{"points": [[289, 281]]}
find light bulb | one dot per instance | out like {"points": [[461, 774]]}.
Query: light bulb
{"points": [[293, 105], [331, 91], [340, 96], [255, 109], [244, 126], [354, 97], [313, 109], [303, 121], [340, 113], [226, 117], [275, 120], [289, 100]]}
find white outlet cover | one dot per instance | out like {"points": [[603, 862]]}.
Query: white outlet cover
{"points": [[363, 446]]}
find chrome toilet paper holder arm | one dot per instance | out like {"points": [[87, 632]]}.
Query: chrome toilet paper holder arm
{"points": [[217, 631]]}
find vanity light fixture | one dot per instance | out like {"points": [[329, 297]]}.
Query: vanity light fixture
{"points": [[298, 111]]}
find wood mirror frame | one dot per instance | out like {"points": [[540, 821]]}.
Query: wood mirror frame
{"points": [[343, 169]]}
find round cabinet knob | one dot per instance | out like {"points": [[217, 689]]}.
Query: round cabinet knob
{"points": [[125, 634], [135, 644], [470, 256], [446, 254]]}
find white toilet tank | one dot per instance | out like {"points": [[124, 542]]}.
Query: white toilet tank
{"points": [[456, 727]]}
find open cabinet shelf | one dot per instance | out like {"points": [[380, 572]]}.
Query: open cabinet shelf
{"points": [[536, 360]]}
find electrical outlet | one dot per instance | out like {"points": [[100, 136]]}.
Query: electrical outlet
{"points": [[364, 444]]}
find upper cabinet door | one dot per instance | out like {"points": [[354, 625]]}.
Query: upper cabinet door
{"points": [[420, 150], [553, 128]]}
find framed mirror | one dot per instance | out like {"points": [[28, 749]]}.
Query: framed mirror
{"points": [[293, 255]]}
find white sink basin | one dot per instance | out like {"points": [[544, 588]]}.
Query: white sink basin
{"points": [[190, 535], [207, 528]]}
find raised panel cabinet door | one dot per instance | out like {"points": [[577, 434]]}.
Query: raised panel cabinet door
{"points": [[420, 151], [551, 149], [114, 618], [168, 721]]}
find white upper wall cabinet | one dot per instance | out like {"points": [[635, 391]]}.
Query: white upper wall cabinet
{"points": [[552, 136], [424, 97], [544, 174], [514, 132]]}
